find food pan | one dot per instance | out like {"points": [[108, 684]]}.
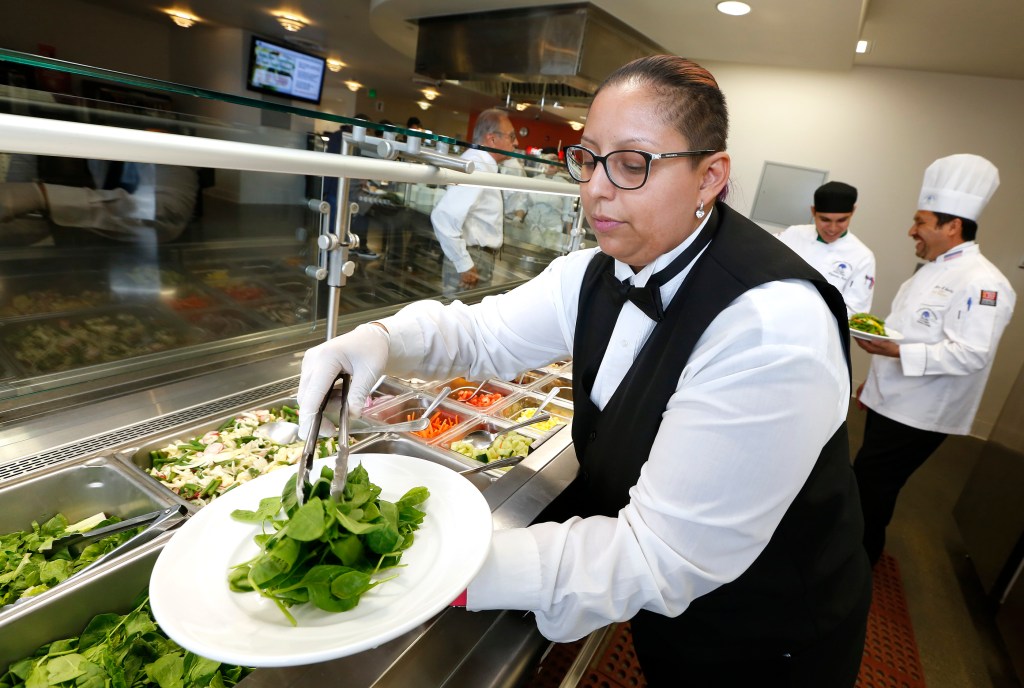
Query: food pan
{"points": [[461, 384], [486, 424], [411, 407], [557, 408], [236, 285], [221, 323], [529, 378], [563, 384], [391, 443], [141, 460], [65, 611], [53, 343], [30, 295], [281, 312], [78, 489]]}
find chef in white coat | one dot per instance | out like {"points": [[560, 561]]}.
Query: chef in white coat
{"points": [[468, 221], [831, 249], [951, 314]]}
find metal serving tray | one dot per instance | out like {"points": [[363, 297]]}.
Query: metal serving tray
{"points": [[529, 378], [222, 323], [78, 489], [138, 458], [64, 611], [564, 385], [414, 405], [47, 294], [555, 407], [95, 337], [490, 387]]}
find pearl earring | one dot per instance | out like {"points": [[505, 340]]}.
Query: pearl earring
{"points": [[700, 210]]}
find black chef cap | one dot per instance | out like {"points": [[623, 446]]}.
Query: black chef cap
{"points": [[834, 197]]}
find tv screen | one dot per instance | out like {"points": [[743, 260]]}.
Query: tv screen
{"points": [[284, 71]]}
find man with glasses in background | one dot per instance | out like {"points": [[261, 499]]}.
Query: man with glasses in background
{"points": [[468, 220]]}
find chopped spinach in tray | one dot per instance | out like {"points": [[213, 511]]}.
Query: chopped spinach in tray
{"points": [[30, 567], [205, 467], [129, 651], [63, 343]]}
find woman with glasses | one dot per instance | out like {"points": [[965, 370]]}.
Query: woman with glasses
{"points": [[715, 506]]}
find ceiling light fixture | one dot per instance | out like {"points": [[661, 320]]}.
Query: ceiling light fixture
{"points": [[424, 105], [576, 126], [733, 8], [863, 47], [430, 93], [291, 22], [353, 85], [182, 19], [522, 106], [334, 65]]}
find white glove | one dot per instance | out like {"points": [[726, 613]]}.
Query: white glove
{"points": [[363, 353], [18, 198]]}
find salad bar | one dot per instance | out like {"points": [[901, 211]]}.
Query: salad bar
{"points": [[197, 464]]}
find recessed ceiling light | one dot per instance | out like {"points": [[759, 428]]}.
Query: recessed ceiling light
{"points": [[731, 7], [291, 22], [576, 126], [182, 19], [430, 93], [334, 65], [863, 47], [353, 85], [424, 105]]}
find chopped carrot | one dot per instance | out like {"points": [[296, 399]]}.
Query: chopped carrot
{"points": [[439, 424]]}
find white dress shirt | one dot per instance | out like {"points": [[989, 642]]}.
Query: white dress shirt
{"points": [[764, 389], [469, 215], [951, 313], [846, 263]]}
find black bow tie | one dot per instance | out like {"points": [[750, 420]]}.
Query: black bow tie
{"points": [[648, 297]]}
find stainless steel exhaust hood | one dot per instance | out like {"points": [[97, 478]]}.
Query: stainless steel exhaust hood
{"points": [[554, 53]]}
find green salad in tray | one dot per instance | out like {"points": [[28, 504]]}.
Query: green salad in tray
{"points": [[129, 651], [865, 322], [30, 565]]}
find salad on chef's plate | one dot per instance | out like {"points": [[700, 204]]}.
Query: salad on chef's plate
{"points": [[865, 322]]}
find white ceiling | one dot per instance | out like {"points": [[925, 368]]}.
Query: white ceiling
{"points": [[377, 38]]}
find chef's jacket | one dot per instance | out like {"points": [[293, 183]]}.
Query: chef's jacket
{"points": [[846, 263], [728, 460], [951, 313], [469, 215]]}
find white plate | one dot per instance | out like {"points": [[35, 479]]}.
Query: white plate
{"points": [[192, 603], [892, 336]]}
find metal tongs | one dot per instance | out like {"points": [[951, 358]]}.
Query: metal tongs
{"points": [[341, 463]]}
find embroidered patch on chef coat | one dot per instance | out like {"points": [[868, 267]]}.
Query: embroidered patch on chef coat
{"points": [[927, 317], [988, 298], [842, 269]]}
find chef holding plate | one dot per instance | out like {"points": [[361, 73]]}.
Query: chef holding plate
{"points": [[950, 315]]}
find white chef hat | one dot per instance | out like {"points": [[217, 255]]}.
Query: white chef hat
{"points": [[959, 185]]}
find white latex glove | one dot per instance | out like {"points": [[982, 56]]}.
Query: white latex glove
{"points": [[363, 353], [18, 198]]}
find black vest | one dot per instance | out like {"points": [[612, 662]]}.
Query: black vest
{"points": [[813, 572]]}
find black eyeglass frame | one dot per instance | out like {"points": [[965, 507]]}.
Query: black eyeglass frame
{"points": [[647, 156]]}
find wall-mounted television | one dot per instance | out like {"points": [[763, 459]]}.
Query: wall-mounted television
{"points": [[279, 70]]}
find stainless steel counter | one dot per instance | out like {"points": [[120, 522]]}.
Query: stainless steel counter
{"points": [[455, 648]]}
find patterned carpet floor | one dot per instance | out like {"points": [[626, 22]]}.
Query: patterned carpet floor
{"points": [[890, 660]]}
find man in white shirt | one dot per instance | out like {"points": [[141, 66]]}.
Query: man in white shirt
{"points": [[468, 221], [831, 249], [926, 381]]}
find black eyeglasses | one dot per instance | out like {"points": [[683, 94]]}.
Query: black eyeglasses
{"points": [[626, 169]]}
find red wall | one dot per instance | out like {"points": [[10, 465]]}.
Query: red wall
{"points": [[542, 134]]}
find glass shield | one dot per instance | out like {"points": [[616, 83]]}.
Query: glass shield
{"points": [[116, 272]]}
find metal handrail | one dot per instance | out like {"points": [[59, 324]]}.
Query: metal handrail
{"points": [[40, 136]]}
